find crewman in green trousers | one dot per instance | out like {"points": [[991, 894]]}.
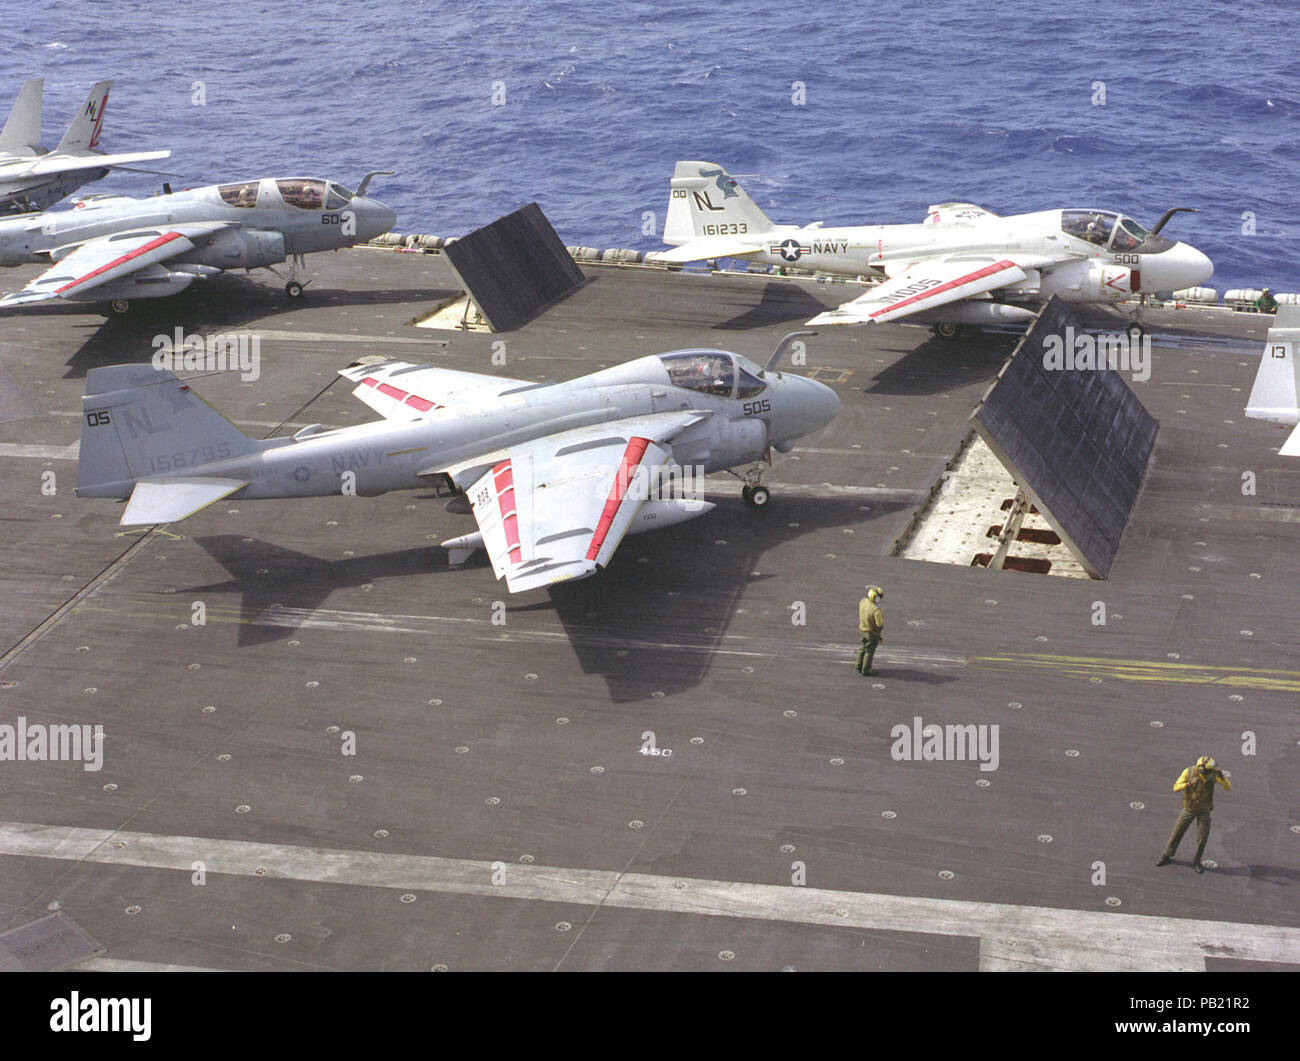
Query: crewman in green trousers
{"points": [[871, 624], [1196, 783]]}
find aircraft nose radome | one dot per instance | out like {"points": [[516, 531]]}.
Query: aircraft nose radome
{"points": [[1191, 267], [819, 402], [378, 218], [1200, 265], [828, 403]]}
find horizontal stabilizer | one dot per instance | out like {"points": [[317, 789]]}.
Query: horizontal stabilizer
{"points": [[171, 500], [65, 163], [713, 247], [1291, 447]]}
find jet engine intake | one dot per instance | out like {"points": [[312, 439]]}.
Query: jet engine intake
{"points": [[1091, 281], [239, 248]]}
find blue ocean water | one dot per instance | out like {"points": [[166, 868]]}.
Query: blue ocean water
{"points": [[903, 105]]}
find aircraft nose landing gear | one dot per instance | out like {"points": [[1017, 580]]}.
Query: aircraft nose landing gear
{"points": [[294, 287], [756, 495]]}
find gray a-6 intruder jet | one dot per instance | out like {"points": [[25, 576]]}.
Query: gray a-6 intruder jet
{"points": [[112, 248], [555, 473], [961, 266], [31, 177]]}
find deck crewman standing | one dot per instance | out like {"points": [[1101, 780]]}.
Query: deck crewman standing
{"points": [[1196, 783], [871, 624]]}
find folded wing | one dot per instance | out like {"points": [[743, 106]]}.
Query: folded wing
{"points": [[555, 509], [398, 390], [98, 261], [925, 285]]}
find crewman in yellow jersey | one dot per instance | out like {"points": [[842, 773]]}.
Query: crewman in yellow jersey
{"points": [[1196, 783], [871, 624]]}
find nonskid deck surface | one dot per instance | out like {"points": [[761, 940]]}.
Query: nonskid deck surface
{"points": [[501, 810]]}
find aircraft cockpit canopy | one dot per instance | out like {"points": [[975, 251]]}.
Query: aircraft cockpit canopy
{"points": [[1113, 231], [243, 194], [1095, 226], [339, 197], [715, 372], [302, 193]]}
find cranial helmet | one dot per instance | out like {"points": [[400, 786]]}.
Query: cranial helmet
{"points": [[875, 593], [1205, 762]]}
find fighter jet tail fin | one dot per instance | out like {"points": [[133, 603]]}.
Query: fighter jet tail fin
{"points": [[83, 133], [1276, 393], [707, 201], [23, 126], [139, 422]]}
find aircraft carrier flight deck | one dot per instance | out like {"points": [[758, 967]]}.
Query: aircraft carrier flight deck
{"points": [[365, 758]]}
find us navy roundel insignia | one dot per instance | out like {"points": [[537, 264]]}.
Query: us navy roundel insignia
{"points": [[302, 474], [790, 250]]}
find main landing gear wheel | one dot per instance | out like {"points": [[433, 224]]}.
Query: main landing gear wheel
{"points": [[293, 289], [119, 306], [756, 496], [948, 330]]}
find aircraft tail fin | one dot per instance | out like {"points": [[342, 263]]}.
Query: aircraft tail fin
{"points": [[1276, 393], [23, 126], [139, 422], [707, 201], [83, 133]]}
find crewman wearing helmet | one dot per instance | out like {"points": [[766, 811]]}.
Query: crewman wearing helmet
{"points": [[1196, 783], [871, 624]]}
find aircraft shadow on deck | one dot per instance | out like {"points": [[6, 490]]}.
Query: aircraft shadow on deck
{"points": [[781, 301], [224, 303], [644, 627], [939, 365]]}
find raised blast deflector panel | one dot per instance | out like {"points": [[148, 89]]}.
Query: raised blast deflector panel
{"points": [[514, 267], [1077, 441]]}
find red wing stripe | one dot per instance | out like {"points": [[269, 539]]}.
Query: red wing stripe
{"points": [[151, 245], [398, 395], [503, 478], [978, 274], [636, 448]]}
